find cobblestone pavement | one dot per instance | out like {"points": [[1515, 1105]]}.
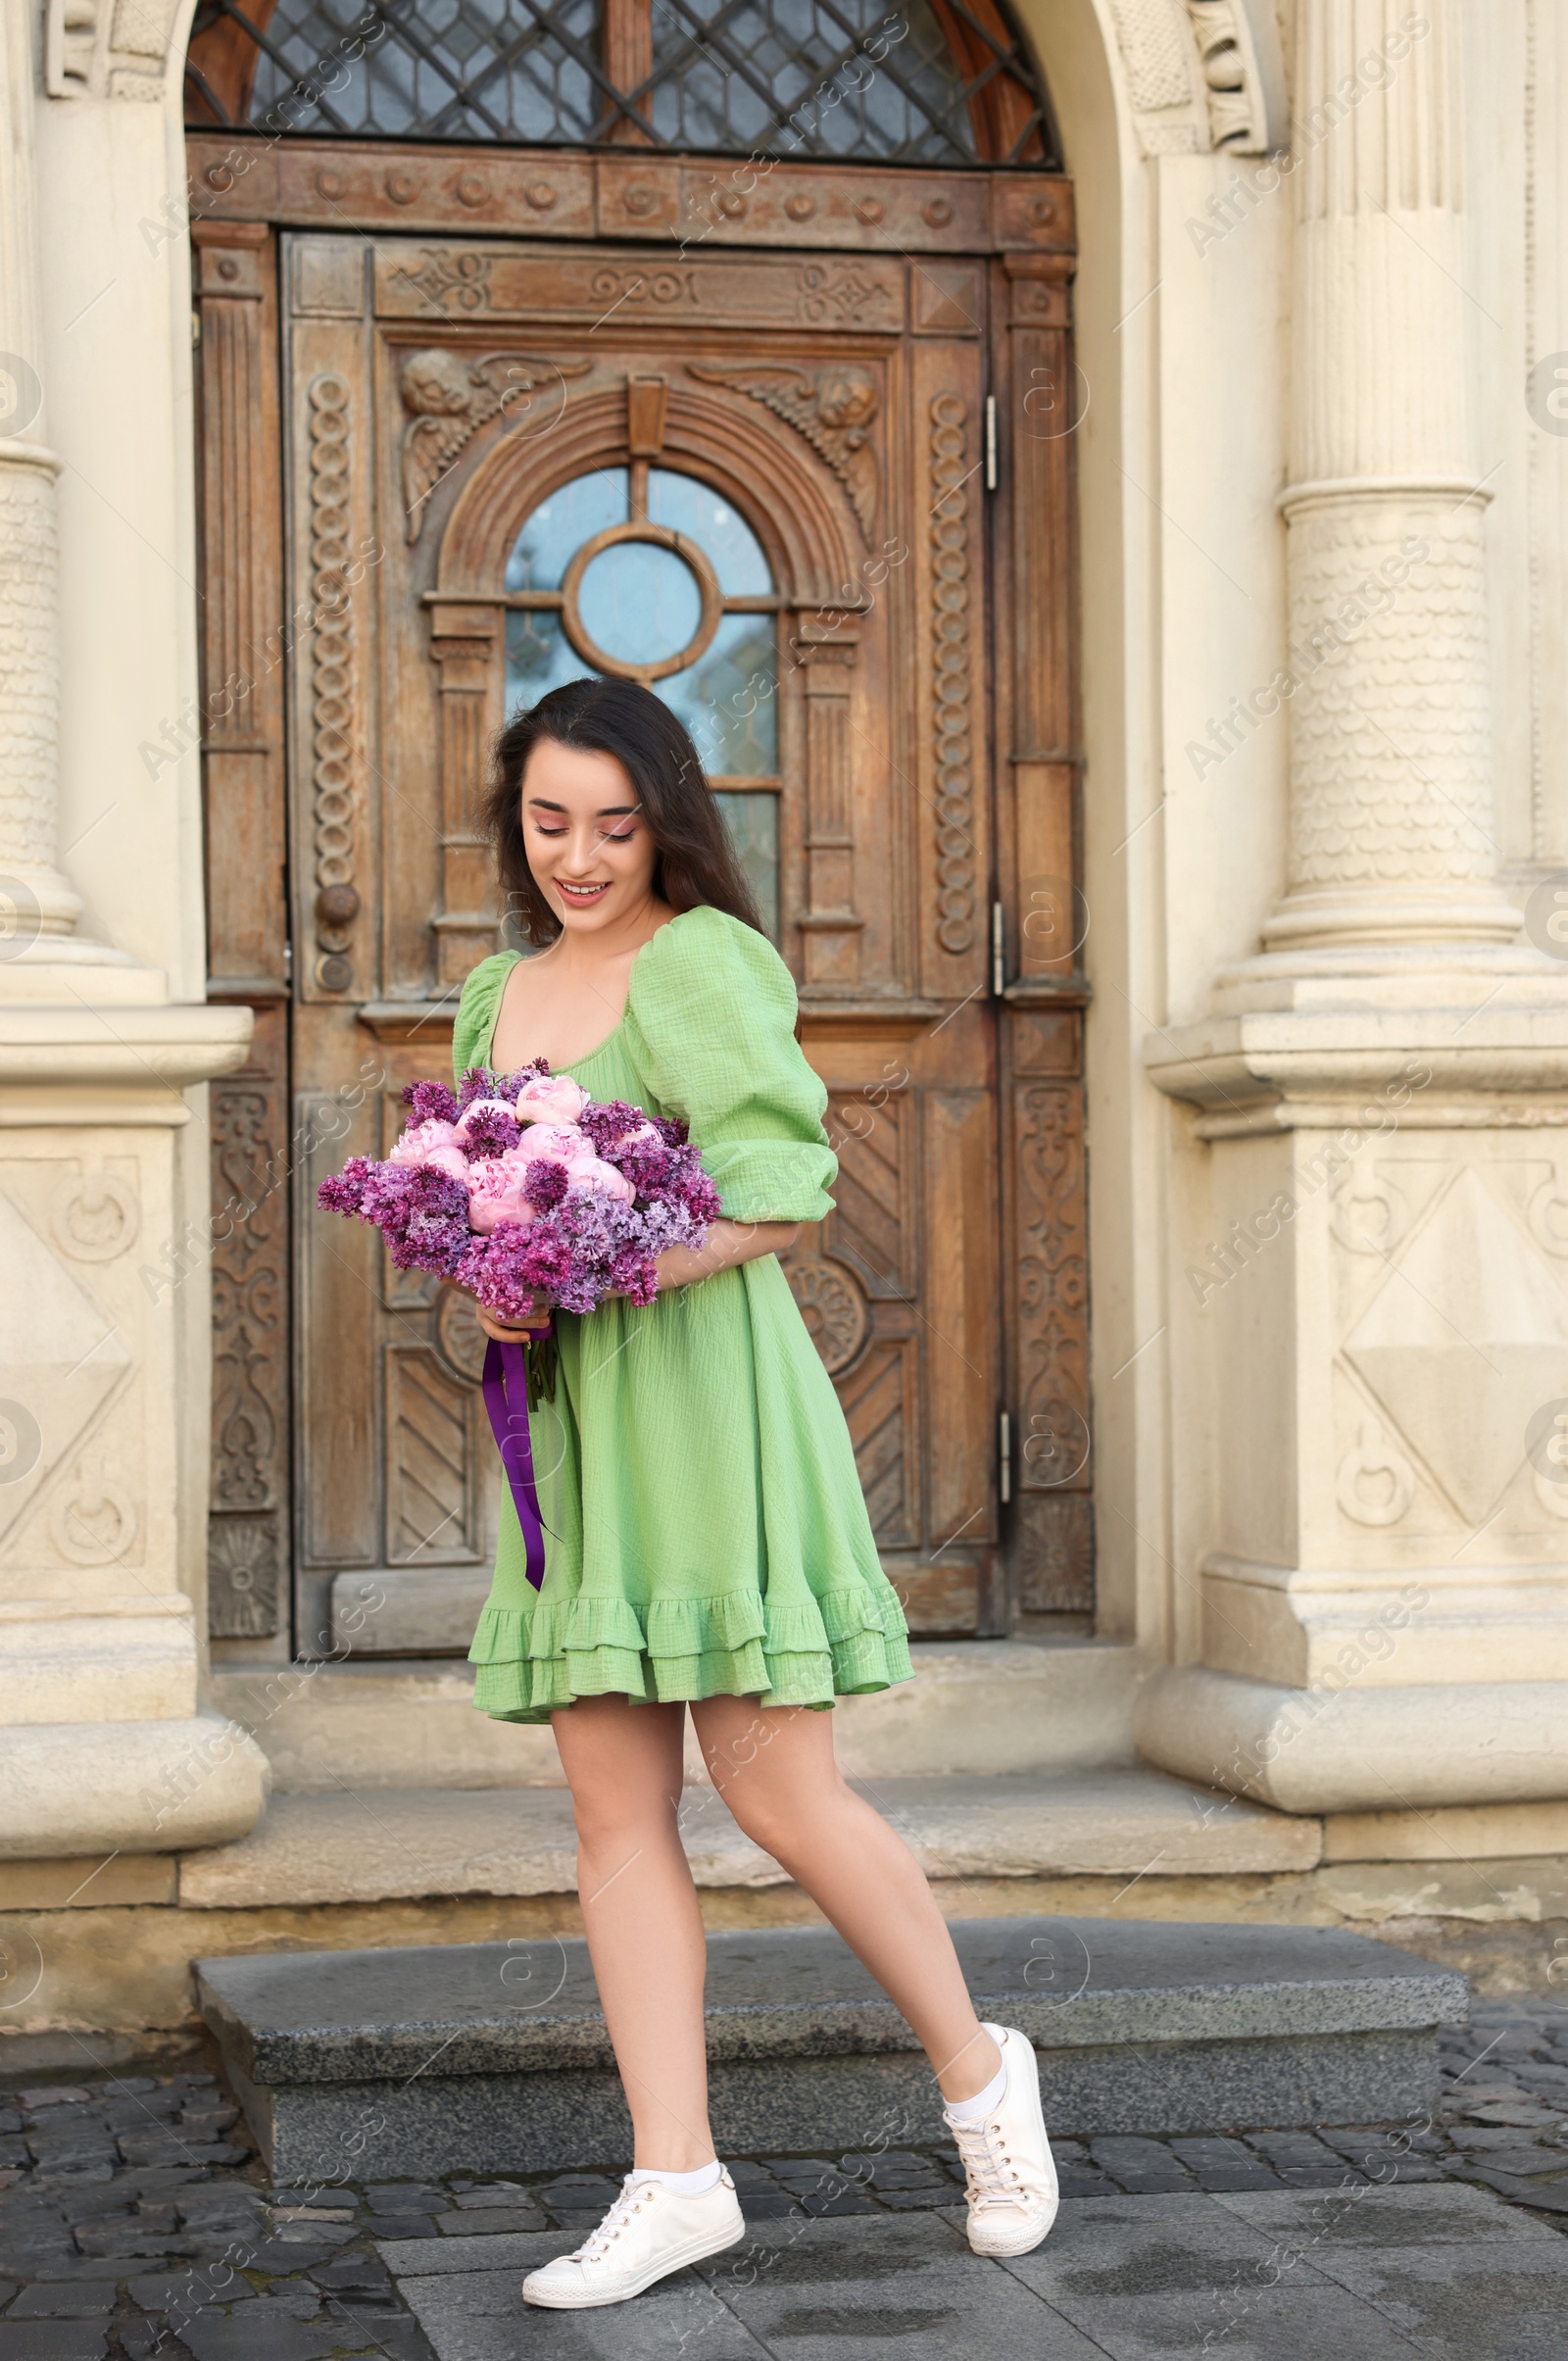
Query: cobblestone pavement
{"points": [[135, 2220]]}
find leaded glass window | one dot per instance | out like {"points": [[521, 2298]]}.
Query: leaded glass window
{"points": [[920, 83], [652, 575]]}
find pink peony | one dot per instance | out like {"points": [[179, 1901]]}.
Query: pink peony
{"points": [[496, 1195], [558, 1144], [551, 1099], [420, 1141], [593, 1173], [433, 1146]]}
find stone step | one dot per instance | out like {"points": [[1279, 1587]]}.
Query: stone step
{"points": [[976, 1706], [495, 2057], [400, 1843]]}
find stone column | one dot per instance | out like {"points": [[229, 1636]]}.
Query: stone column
{"points": [[35, 898], [102, 1746], [1391, 836], [1369, 1296]]}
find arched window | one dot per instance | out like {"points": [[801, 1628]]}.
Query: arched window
{"points": [[648, 573], [942, 83]]}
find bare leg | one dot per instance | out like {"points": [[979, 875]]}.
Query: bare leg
{"points": [[640, 1915], [774, 1768]]}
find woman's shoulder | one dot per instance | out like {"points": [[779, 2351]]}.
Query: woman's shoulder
{"points": [[478, 1001], [483, 985], [704, 950]]}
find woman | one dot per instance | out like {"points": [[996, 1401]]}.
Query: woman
{"points": [[707, 1542]]}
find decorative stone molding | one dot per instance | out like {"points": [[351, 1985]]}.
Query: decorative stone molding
{"points": [[1201, 75], [107, 48]]}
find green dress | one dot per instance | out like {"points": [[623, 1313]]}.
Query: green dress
{"points": [[706, 1533]]}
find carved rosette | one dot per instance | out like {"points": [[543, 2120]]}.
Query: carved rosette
{"points": [[833, 1307], [952, 721]]}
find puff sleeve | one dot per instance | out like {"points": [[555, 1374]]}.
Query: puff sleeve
{"points": [[711, 1030], [477, 1004]]}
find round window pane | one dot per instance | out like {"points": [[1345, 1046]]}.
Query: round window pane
{"points": [[639, 603]]}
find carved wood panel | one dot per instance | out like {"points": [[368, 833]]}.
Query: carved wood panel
{"points": [[248, 1520]]}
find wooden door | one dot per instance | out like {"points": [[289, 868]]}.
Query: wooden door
{"points": [[502, 461]]}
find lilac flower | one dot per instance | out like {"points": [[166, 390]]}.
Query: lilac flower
{"points": [[607, 1124], [544, 1183], [344, 1192], [487, 1130], [429, 1103]]}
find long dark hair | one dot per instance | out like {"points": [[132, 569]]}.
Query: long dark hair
{"points": [[696, 865]]}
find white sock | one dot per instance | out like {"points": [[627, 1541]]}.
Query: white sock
{"points": [[976, 2109], [685, 2185]]}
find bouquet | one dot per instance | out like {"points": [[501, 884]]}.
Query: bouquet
{"points": [[523, 1189]]}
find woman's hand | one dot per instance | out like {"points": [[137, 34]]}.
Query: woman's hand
{"points": [[535, 1322]]}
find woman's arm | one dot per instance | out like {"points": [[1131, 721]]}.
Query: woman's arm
{"points": [[729, 1243]]}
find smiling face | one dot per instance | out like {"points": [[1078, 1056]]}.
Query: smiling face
{"points": [[588, 841]]}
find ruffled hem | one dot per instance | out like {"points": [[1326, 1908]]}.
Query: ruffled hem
{"points": [[531, 1660]]}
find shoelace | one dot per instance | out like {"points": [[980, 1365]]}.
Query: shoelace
{"points": [[597, 2243], [990, 2174]]}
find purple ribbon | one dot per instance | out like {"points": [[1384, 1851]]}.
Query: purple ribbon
{"points": [[506, 1397]]}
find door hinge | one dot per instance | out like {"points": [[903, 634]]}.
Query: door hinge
{"points": [[993, 474], [195, 326], [1004, 1458], [288, 964], [999, 951]]}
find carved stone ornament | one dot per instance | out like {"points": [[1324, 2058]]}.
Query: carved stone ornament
{"points": [[95, 49], [449, 399], [834, 407], [94, 1519], [832, 1306], [94, 1215], [1374, 1483], [1194, 75]]}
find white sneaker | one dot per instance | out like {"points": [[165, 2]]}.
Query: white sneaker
{"points": [[649, 2232], [1009, 2176]]}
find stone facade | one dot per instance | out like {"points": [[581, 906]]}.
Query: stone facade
{"points": [[1323, 482]]}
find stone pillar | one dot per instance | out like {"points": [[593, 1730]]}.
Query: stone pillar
{"points": [[103, 1747], [35, 898], [1368, 1299], [1391, 784]]}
